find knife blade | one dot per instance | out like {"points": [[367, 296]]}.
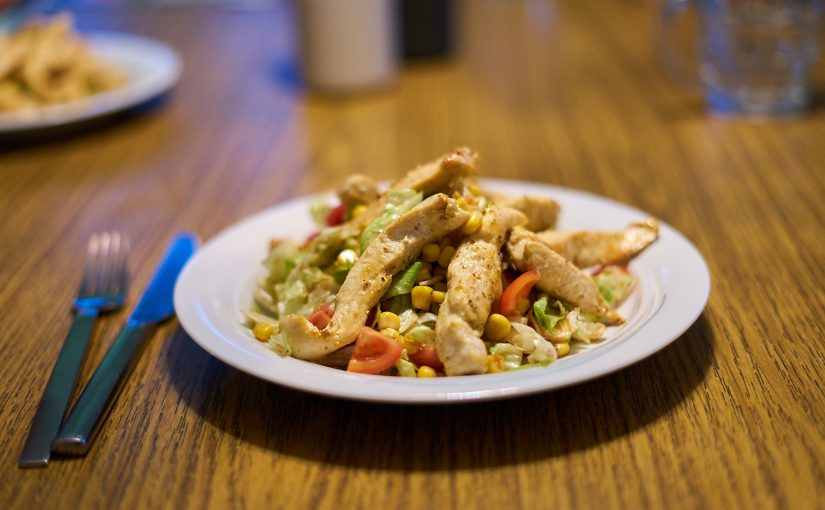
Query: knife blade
{"points": [[80, 428]]}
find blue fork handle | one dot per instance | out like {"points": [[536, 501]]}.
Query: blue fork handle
{"points": [[79, 430], [58, 391]]}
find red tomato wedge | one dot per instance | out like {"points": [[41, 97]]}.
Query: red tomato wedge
{"points": [[427, 356], [373, 352], [516, 291], [321, 317], [336, 215]]}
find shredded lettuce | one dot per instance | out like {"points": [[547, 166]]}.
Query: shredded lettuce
{"points": [[563, 321], [253, 318], [542, 363], [397, 304], [279, 344], [427, 319], [587, 330], [281, 261], [533, 344], [512, 355], [614, 284], [547, 316], [405, 368], [304, 290], [398, 202], [319, 211], [421, 334], [408, 319], [403, 282]]}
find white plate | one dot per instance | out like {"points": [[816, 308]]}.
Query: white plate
{"points": [[151, 68], [217, 284]]}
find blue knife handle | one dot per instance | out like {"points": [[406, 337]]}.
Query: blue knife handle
{"points": [[79, 430], [58, 390]]}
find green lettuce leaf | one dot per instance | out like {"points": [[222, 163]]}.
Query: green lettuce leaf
{"points": [[403, 282], [398, 202], [545, 315]]}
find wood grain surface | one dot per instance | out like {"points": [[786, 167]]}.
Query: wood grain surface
{"points": [[731, 415]]}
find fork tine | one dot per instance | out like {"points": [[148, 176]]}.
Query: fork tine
{"points": [[87, 281], [105, 263], [117, 270]]}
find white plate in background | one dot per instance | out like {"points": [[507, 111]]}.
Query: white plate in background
{"points": [[151, 68]]}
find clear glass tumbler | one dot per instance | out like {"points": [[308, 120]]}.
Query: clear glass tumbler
{"points": [[754, 55]]}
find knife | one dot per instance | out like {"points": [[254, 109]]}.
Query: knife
{"points": [[79, 430]]}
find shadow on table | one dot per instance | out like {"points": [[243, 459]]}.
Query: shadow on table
{"points": [[39, 137], [431, 437]]}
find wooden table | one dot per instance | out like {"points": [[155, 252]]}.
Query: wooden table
{"points": [[731, 415]]}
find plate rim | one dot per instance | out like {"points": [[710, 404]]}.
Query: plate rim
{"points": [[102, 103], [464, 388]]}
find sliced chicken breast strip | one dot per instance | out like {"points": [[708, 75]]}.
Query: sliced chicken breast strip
{"points": [[588, 248], [434, 177], [371, 276], [558, 276], [358, 189], [541, 212], [473, 284]]}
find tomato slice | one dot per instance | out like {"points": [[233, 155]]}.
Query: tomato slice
{"points": [[336, 215], [373, 352], [516, 291], [321, 317], [426, 355]]}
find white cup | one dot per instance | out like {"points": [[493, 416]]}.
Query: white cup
{"points": [[348, 45]]}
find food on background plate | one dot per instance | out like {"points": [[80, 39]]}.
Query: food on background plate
{"points": [[437, 277], [45, 62]]}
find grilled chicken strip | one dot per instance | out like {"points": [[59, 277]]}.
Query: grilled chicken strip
{"points": [[474, 283], [558, 276], [541, 212], [588, 248], [359, 189], [434, 177], [371, 276]]}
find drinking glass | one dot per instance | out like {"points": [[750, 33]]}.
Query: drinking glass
{"points": [[754, 55]]}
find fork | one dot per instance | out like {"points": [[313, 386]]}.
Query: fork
{"points": [[102, 289]]}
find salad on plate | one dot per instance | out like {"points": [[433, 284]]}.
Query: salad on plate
{"points": [[436, 276]]}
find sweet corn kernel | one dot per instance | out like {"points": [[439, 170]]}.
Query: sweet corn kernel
{"points": [[446, 256], [563, 349], [389, 320], [495, 363], [422, 297], [430, 252], [426, 371], [390, 332], [358, 210], [473, 224], [262, 331], [474, 189], [410, 345], [438, 296], [522, 304], [497, 327]]}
